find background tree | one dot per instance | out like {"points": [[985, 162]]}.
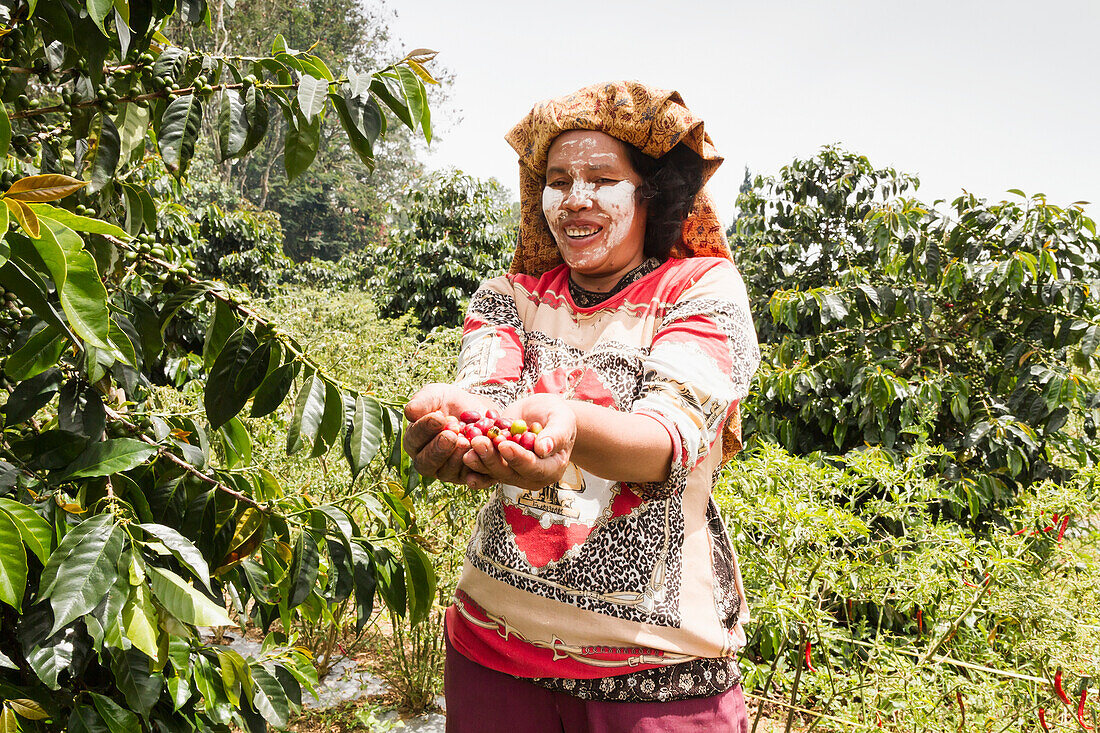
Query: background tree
{"points": [[126, 524], [888, 322], [341, 204]]}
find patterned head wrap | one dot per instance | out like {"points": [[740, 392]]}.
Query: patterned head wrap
{"points": [[652, 120]]}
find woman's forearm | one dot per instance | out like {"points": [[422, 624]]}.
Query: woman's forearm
{"points": [[620, 446]]}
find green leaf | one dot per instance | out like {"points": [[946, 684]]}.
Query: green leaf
{"points": [[109, 456], [232, 124], [331, 421], [303, 568], [413, 89], [5, 133], [309, 407], [221, 327], [183, 550], [173, 305], [104, 154], [1090, 340], [273, 390], [76, 222], [302, 140], [13, 563], [311, 95], [269, 697], [139, 620], [81, 411], [363, 437], [99, 10], [35, 531], [85, 719], [237, 444], [134, 677], [365, 585], [223, 399], [256, 115], [73, 270], [31, 291], [420, 580], [81, 569], [184, 602], [118, 718], [132, 123], [353, 119], [178, 131], [381, 89], [31, 395], [39, 353], [255, 368]]}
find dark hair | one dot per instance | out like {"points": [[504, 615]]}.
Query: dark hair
{"points": [[669, 185]]}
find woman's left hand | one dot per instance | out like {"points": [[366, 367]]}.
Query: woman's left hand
{"points": [[528, 469]]}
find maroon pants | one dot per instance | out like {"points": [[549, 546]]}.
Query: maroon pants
{"points": [[481, 700]]}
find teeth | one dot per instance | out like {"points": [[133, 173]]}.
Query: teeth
{"points": [[581, 231]]}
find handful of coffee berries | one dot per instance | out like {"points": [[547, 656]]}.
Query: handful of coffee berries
{"points": [[471, 424]]}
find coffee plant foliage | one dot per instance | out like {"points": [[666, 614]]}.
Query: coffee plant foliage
{"points": [[126, 526], [972, 325], [455, 232]]}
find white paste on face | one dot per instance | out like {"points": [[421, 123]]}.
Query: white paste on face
{"points": [[612, 207]]}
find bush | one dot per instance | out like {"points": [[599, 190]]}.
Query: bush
{"points": [[887, 322], [845, 565], [457, 232]]}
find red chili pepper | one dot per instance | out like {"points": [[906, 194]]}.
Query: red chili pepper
{"points": [[1062, 529], [1058, 687], [809, 664], [920, 622], [1043, 719], [1081, 709]]}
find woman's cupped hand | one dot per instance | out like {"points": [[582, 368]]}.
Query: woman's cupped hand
{"points": [[446, 455], [514, 465]]}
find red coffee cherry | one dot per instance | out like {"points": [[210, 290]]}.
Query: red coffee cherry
{"points": [[471, 431], [527, 440], [469, 416], [492, 414], [503, 423]]}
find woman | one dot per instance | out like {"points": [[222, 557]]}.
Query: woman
{"points": [[600, 590]]}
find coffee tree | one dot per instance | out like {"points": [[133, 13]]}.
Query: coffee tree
{"points": [[125, 527], [456, 231], [892, 323]]}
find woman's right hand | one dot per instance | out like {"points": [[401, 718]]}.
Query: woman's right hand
{"points": [[437, 453]]}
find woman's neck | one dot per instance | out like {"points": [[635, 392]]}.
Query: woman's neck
{"points": [[604, 283]]}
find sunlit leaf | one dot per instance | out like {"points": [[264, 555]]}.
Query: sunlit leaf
{"points": [[185, 602], [44, 187], [13, 563]]}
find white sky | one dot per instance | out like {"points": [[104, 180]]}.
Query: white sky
{"points": [[984, 96]]}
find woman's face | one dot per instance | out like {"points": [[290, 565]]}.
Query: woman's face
{"points": [[592, 208]]}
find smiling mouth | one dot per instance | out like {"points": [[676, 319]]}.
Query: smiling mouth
{"points": [[581, 232]]}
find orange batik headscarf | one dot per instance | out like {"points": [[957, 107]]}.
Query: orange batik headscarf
{"points": [[652, 120]]}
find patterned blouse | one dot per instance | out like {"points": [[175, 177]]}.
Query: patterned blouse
{"points": [[606, 589]]}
